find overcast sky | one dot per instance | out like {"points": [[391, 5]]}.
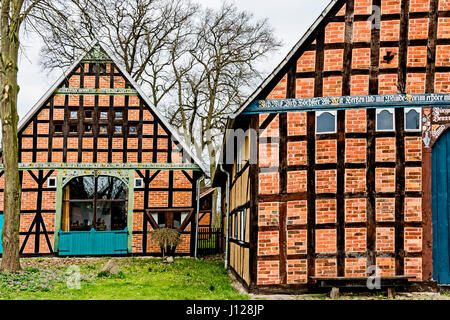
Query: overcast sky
{"points": [[289, 18]]}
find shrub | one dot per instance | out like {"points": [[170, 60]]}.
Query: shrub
{"points": [[167, 239]]}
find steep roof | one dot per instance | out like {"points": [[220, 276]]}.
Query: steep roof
{"points": [[128, 77], [276, 75]]}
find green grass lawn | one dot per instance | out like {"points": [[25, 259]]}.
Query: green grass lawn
{"points": [[139, 278]]}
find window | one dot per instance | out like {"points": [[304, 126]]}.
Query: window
{"points": [[101, 67], [132, 129], [73, 129], [117, 129], [176, 220], [118, 115], [95, 202], [238, 159], [88, 114], [161, 220], [236, 226], [51, 182], [385, 120], [326, 122], [170, 219], [240, 154], [138, 182], [73, 115], [88, 128], [103, 129], [98, 67], [412, 119], [58, 128], [243, 220], [103, 115]]}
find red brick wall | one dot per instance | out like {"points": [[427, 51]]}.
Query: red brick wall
{"points": [[355, 153]]}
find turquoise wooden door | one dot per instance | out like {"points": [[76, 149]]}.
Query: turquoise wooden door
{"points": [[441, 207], [76, 243]]}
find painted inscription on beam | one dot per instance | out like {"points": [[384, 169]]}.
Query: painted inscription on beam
{"points": [[94, 91], [347, 102]]}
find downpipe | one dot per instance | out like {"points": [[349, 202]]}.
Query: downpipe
{"points": [[227, 200]]}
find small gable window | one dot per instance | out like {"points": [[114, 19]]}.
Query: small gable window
{"points": [[51, 182], [138, 183], [132, 129], [412, 119], [58, 128], [385, 120], [103, 129], [88, 128], [326, 122], [73, 115], [103, 115], [88, 114], [117, 129], [73, 129]]}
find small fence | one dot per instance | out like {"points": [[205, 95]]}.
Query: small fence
{"points": [[209, 241]]}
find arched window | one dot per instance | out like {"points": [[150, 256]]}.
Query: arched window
{"points": [[412, 119], [95, 202], [326, 122], [385, 120]]}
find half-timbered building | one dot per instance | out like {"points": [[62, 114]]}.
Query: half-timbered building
{"points": [[101, 168], [349, 170]]}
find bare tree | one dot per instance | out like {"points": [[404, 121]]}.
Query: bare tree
{"points": [[196, 64], [227, 47], [13, 14], [146, 36]]}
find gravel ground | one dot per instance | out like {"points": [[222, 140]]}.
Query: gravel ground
{"points": [[445, 295], [348, 296]]}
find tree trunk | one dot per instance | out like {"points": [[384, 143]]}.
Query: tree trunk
{"points": [[12, 193], [10, 148]]}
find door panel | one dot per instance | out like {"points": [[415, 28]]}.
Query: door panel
{"points": [[1, 230], [441, 198]]}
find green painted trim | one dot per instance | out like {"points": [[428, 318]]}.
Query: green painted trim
{"points": [[96, 61], [131, 178], [94, 91], [107, 166], [64, 177], [58, 212]]}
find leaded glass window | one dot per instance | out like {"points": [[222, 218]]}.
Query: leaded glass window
{"points": [[95, 202]]}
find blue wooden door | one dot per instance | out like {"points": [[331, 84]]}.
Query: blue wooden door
{"points": [[1, 230], [441, 207]]}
